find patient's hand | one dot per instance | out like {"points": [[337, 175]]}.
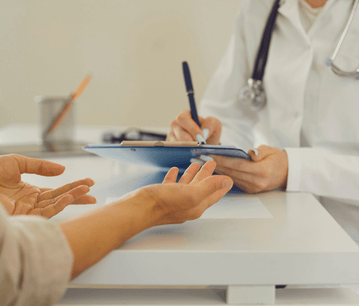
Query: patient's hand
{"points": [[19, 197], [196, 191]]}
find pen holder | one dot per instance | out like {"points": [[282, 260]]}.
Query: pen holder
{"points": [[49, 108]]}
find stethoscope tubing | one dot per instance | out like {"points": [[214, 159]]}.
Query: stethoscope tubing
{"points": [[330, 61], [255, 91], [345, 31]]}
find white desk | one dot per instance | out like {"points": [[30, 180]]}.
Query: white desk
{"points": [[236, 261]]}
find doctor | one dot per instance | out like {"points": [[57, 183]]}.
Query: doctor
{"points": [[293, 94]]}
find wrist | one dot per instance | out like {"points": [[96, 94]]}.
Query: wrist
{"points": [[141, 206], [154, 206]]}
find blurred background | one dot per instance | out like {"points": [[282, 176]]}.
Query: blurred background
{"points": [[132, 48]]}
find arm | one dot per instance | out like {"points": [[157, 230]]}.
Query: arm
{"points": [[93, 235], [228, 121], [323, 173], [30, 247], [36, 255]]}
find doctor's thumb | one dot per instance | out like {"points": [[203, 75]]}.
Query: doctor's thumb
{"points": [[259, 153]]}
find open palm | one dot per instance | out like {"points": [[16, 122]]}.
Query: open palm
{"points": [[196, 190], [19, 197]]}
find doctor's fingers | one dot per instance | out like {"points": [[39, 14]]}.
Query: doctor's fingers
{"points": [[177, 133], [185, 121], [262, 151], [214, 129], [234, 164], [248, 182]]}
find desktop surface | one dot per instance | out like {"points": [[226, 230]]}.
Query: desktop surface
{"points": [[297, 243]]}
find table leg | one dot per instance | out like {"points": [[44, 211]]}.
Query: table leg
{"points": [[250, 295]]}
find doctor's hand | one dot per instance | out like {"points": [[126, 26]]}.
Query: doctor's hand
{"points": [[267, 171], [19, 197], [196, 191], [183, 128]]}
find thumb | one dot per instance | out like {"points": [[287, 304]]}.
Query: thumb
{"points": [[212, 189], [261, 152], [38, 166], [211, 128]]}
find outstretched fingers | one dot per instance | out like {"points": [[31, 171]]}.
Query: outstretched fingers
{"points": [[53, 209], [190, 173], [171, 176], [206, 171], [77, 193], [38, 166], [212, 189], [85, 199], [54, 193]]}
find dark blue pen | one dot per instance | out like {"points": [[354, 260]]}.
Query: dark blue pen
{"points": [[192, 104]]}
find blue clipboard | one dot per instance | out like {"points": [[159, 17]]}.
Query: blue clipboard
{"points": [[162, 154]]}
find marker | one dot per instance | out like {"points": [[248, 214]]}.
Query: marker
{"points": [[192, 104]]}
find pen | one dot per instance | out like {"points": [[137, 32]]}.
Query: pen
{"points": [[192, 104], [67, 107]]}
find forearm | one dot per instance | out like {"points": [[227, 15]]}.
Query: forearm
{"points": [[93, 235]]}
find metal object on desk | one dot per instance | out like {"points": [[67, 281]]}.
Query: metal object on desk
{"points": [[132, 134], [62, 139], [49, 108], [60, 142]]}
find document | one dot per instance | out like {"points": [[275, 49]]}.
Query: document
{"points": [[237, 207]]}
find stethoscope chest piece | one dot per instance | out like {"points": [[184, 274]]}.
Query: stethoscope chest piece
{"points": [[253, 95]]}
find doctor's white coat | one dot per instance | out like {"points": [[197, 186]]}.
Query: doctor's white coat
{"points": [[311, 112]]}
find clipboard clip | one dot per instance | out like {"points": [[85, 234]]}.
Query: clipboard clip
{"points": [[161, 144], [158, 144]]}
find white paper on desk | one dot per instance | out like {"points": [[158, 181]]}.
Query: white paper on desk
{"points": [[237, 207], [231, 207]]}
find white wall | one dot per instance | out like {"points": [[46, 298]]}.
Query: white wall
{"points": [[132, 48]]}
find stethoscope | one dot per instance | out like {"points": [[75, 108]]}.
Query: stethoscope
{"points": [[254, 93]]}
